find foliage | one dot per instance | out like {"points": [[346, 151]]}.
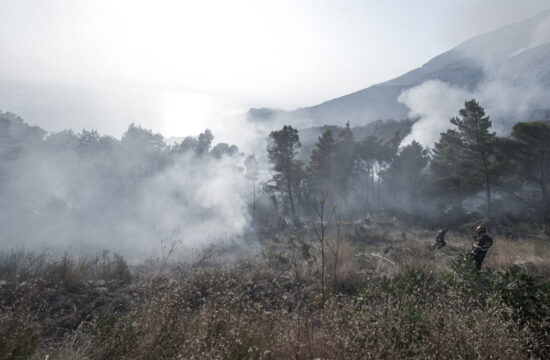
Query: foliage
{"points": [[281, 152], [528, 149], [448, 167], [476, 146], [249, 310], [404, 177]]}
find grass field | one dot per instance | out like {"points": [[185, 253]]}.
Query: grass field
{"points": [[379, 291]]}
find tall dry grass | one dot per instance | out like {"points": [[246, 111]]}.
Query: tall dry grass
{"points": [[388, 294]]}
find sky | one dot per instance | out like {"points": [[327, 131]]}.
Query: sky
{"points": [[178, 67]]}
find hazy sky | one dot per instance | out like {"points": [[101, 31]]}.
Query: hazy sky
{"points": [[220, 57]]}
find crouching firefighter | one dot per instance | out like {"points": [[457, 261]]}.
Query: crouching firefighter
{"points": [[482, 243], [440, 239]]}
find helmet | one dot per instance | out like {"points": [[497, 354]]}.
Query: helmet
{"points": [[443, 231], [480, 229]]}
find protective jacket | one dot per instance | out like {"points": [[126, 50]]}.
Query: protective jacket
{"points": [[481, 244], [440, 239]]}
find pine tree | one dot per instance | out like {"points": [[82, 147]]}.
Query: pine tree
{"points": [[448, 167], [404, 175], [344, 157], [529, 149], [477, 145], [371, 151], [282, 151], [320, 163]]}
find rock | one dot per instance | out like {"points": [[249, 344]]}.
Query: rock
{"points": [[100, 283]]}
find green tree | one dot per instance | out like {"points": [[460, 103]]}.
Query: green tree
{"points": [[529, 149], [447, 167], [343, 161], [372, 153], [319, 169], [282, 151], [404, 175], [477, 146]]}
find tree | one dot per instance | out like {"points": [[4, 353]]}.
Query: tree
{"points": [[343, 161], [371, 152], [137, 138], [324, 218], [404, 175], [204, 142], [200, 145], [9, 149], [529, 149], [281, 151], [222, 149], [447, 167], [319, 169], [388, 152], [91, 142], [141, 153], [477, 145]]}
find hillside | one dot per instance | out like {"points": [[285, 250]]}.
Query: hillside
{"points": [[516, 57]]}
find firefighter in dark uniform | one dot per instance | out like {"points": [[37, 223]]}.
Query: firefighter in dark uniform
{"points": [[482, 243], [440, 239]]}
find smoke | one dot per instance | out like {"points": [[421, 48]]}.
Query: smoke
{"points": [[433, 103], [85, 192], [513, 61], [540, 36]]}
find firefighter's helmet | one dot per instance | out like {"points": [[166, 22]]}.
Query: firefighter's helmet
{"points": [[480, 229]]}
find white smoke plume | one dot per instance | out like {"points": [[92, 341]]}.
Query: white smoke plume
{"points": [[433, 103], [511, 88], [130, 196]]}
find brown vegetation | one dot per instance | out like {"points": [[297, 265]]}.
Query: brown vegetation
{"points": [[388, 295]]}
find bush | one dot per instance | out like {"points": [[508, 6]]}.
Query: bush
{"points": [[527, 297], [249, 310]]}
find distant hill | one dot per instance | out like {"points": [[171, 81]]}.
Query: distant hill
{"points": [[518, 54]]}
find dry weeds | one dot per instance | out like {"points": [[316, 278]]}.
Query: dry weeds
{"points": [[401, 302]]}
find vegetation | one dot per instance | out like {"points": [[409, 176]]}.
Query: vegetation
{"points": [[276, 305], [337, 262], [431, 186]]}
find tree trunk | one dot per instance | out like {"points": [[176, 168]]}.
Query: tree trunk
{"points": [[488, 188], [291, 199]]}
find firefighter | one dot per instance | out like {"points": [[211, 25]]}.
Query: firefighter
{"points": [[440, 239], [482, 243]]}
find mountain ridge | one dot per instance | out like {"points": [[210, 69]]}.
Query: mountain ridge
{"points": [[520, 50]]}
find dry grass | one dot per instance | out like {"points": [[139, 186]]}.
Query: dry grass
{"points": [[391, 298], [21, 265], [510, 252], [412, 247], [255, 314]]}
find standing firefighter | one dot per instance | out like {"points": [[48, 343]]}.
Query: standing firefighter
{"points": [[482, 243], [440, 239]]}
